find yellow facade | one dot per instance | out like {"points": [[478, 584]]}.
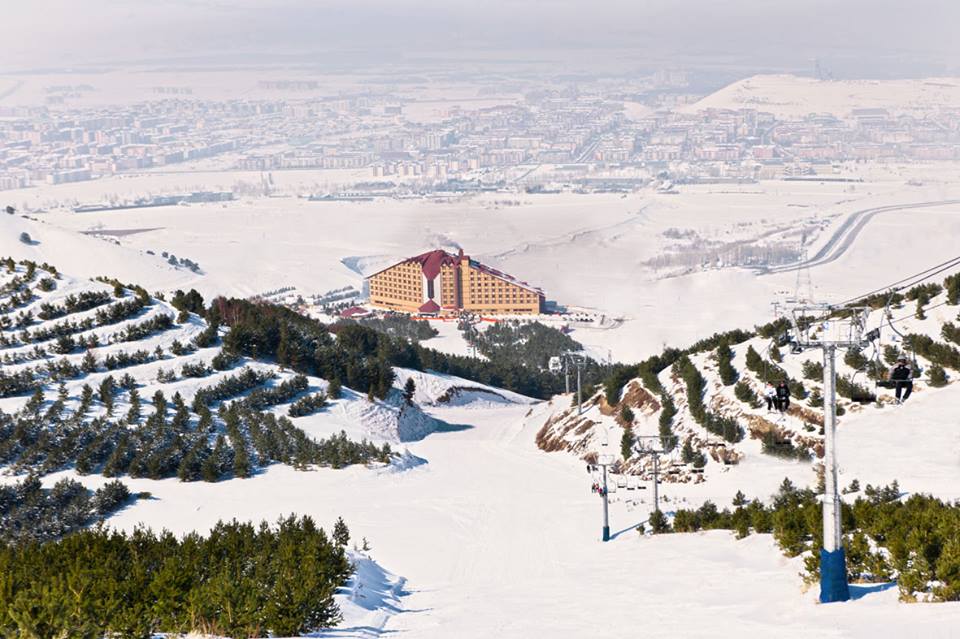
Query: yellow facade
{"points": [[398, 288], [458, 284]]}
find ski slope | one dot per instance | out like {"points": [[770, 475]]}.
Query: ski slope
{"points": [[495, 538], [475, 532]]}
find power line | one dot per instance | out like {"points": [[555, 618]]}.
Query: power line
{"points": [[900, 284], [914, 314]]}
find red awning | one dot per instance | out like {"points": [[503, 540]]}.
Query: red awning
{"points": [[429, 307]]}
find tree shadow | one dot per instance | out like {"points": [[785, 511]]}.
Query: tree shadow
{"points": [[447, 427]]}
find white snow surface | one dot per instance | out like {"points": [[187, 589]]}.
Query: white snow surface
{"points": [[795, 96], [587, 251], [495, 538]]}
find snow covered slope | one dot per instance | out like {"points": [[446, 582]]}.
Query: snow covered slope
{"points": [[795, 436], [795, 96], [494, 537]]}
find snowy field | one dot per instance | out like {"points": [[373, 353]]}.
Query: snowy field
{"points": [[598, 252], [477, 533], [795, 96], [495, 538]]}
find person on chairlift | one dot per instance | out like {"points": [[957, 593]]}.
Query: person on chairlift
{"points": [[770, 394], [902, 377], [783, 396]]}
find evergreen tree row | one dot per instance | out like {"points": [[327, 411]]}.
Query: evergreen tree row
{"points": [[31, 513], [307, 405], [726, 427], [44, 437], [240, 580], [886, 537], [355, 355], [401, 326], [230, 386], [525, 344], [83, 301], [264, 397]]}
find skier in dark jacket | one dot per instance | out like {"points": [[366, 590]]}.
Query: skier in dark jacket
{"points": [[902, 377], [783, 396]]}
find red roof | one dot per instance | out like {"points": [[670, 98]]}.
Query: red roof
{"points": [[353, 311], [431, 261], [429, 307]]}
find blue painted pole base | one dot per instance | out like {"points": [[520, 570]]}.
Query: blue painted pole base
{"points": [[606, 533], [833, 576]]}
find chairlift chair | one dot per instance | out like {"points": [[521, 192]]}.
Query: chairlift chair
{"points": [[555, 364]]}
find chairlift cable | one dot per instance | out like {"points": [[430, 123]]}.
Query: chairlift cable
{"points": [[907, 281]]}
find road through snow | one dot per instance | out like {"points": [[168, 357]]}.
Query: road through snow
{"points": [[844, 237]]}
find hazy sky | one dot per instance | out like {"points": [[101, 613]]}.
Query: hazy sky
{"points": [[846, 33]]}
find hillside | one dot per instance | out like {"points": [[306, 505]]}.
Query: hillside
{"points": [[795, 96], [255, 435], [111, 379], [705, 404]]}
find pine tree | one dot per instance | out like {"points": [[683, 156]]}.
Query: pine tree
{"points": [[133, 415], [89, 362], [626, 442], [728, 374], [739, 499], [341, 534], [658, 522], [937, 376], [953, 289], [107, 388], [211, 469], [334, 388], [409, 389], [35, 402], [86, 397], [189, 468], [241, 460], [283, 347]]}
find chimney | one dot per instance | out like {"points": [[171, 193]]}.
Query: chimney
{"points": [[458, 281]]}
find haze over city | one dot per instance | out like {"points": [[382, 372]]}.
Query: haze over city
{"points": [[860, 38]]}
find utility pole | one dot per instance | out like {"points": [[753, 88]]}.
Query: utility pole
{"points": [[656, 481], [831, 332], [606, 507], [579, 398], [604, 461], [562, 362], [642, 450]]}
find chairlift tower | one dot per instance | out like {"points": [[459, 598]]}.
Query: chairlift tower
{"points": [[642, 449], [830, 328], [604, 460], [563, 362]]}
